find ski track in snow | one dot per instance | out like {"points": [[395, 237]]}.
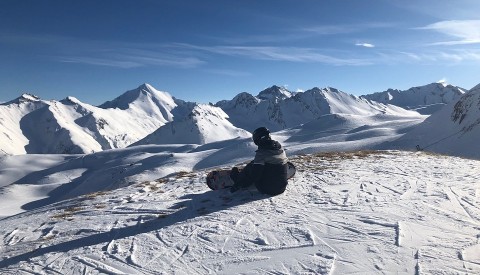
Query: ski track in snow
{"points": [[344, 213]]}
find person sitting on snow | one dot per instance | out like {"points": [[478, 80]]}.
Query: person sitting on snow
{"points": [[268, 170]]}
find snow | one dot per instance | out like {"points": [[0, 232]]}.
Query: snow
{"points": [[204, 124], [139, 116], [275, 93], [278, 112], [145, 209], [426, 99], [365, 213], [453, 130], [31, 125]]}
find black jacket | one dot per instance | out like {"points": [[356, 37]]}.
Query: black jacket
{"points": [[268, 170]]}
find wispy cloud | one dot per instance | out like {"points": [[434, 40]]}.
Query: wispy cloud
{"points": [[330, 30], [464, 31], [132, 58], [301, 33], [290, 54], [366, 45], [117, 54], [228, 72], [346, 28], [431, 57]]}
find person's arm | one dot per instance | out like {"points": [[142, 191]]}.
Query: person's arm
{"points": [[257, 171]]}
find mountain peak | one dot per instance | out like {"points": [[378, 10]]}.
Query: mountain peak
{"points": [[146, 87], [71, 100], [141, 94], [425, 99], [25, 97], [204, 124], [274, 92], [442, 82]]}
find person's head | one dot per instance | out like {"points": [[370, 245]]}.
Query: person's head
{"points": [[260, 134]]}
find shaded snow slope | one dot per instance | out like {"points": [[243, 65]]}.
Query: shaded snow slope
{"points": [[204, 124], [361, 213], [278, 111], [454, 130], [424, 99], [12, 139]]}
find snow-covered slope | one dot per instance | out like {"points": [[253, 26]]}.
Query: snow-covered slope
{"points": [[31, 125], [424, 99], [341, 132], [146, 209], [343, 213], [204, 124], [454, 130], [278, 109], [12, 139]]}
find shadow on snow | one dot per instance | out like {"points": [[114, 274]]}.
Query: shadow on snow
{"points": [[191, 206]]}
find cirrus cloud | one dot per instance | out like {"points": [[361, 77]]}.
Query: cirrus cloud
{"points": [[465, 31]]}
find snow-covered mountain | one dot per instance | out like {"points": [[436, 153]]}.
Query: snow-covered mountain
{"points": [[276, 93], [204, 124], [277, 108], [145, 209], [423, 99], [31, 125], [454, 130], [12, 139]]}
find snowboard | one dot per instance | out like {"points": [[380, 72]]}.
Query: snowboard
{"points": [[220, 179]]}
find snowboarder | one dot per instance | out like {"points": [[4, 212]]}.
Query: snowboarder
{"points": [[268, 170]]}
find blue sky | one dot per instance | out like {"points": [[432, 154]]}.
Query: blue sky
{"points": [[210, 50]]}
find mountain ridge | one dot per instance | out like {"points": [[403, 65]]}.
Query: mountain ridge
{"points": [[454, 130], [425, 99], [278, 111], [71, 126]]}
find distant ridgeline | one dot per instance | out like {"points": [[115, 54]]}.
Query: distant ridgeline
{"points": [[147, 116]]}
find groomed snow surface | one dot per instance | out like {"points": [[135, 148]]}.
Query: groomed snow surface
{"points": [[367, 212]]}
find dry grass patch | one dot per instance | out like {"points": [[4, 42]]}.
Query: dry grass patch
{"points": [[184, 174], [328, 160], [349, 155], [162, 180], [68, 213], [93, 195]]}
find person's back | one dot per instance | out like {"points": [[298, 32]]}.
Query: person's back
{"points": [[268, 170], [274, 177]]}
